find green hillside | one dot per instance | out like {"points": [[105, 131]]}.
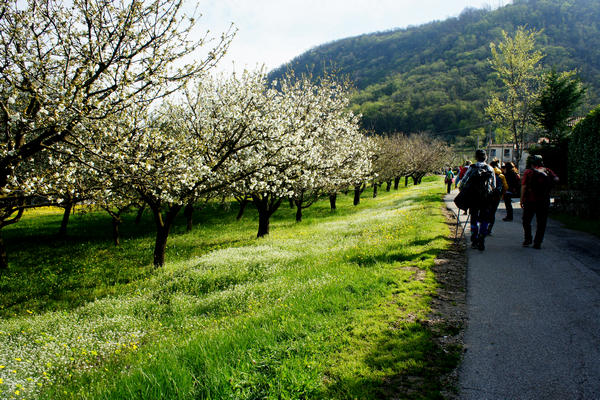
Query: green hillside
{"points": [[436, 77]]}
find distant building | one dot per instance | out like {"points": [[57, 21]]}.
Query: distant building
{"points": [[506, 152], [574, 121]]}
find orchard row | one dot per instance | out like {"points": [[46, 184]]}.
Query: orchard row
{"points": [[97, 106]]}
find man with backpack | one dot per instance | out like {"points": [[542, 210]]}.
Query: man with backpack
{"points": [[476, 187], [449, 179], [535, 199]]}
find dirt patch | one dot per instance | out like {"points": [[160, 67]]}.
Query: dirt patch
{"points": [[418, 273], [449, 306]]}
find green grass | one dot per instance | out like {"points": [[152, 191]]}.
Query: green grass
{"points": [[589, 225], [329, 308]]}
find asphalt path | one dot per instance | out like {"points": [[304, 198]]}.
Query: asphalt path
{"points": [[533, 329]]}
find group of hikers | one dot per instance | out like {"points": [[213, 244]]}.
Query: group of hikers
{"points": [[482, 186]]}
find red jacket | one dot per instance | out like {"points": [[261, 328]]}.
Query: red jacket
{"points": [[537, 192]]}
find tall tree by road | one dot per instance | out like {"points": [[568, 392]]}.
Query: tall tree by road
{"points": [[559, 98], [516, 62]]}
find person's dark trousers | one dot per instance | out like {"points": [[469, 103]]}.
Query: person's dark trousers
{"points": [[540, 210], [449, 185], [492, 214], [508, 205], [479, 222]]}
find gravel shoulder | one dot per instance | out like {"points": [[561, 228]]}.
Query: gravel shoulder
{"points": [[449, 305]]}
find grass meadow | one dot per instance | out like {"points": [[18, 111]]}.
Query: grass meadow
{"points": [[329, 308]]}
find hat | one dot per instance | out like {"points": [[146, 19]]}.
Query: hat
{"points": [[536, 160]]}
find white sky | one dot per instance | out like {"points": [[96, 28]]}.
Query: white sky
{"points": [[272, 32]]}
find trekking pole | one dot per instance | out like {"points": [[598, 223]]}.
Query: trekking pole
{"points": [[457, 224], [462, 232], [465, 225]]}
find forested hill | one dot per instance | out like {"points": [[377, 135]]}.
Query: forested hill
{"points": [[436, 77]]}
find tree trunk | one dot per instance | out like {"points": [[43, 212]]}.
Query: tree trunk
{"points": [[332, 200], [138, 217], [406, 181], [62, 232], [163, 226], [3, 257], [266, 207], [375, 186], [291, 202], [388, 185], [160, 245], [115, 229], [189, 213], [415, 180], [396, 182], [243, 205], [3, 223], [357, 192], [298, 211], [263, 224], [298, 203]]}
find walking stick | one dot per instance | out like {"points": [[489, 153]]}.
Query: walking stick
{"points": [[457, 224], [456, 237]]}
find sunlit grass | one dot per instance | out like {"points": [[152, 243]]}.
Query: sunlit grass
{"points": [[327, 308]]}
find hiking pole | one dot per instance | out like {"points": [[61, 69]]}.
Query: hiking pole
{"points": [[456, 237], [457, 224]]}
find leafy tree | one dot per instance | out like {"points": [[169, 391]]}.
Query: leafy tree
{"points": [[560, 96], [516, 62]]}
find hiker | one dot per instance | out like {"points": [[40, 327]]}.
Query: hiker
{"points": [[461, 172], [477, 185], [497, 194], [535, 198], [514, 188], [449, 179]]}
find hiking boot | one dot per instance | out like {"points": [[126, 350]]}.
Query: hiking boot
{"points": [[481, 244], [537, 246], [473, 241], [526, 242]]}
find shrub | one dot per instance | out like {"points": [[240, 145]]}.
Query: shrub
{"points": [[584, 157]]}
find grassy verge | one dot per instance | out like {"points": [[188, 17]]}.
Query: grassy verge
{"points": [[591, 226], [328, 308]]}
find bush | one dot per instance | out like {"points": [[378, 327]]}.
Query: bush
{"points": [[584, 157]]}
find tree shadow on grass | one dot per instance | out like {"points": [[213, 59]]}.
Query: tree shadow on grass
{"points": [[398, 255], [48, 273], [405, 363]]}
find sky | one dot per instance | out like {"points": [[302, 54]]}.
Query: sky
{"points": [[273, 32]]}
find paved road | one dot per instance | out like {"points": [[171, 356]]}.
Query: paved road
{"points": [[534, 315]]}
